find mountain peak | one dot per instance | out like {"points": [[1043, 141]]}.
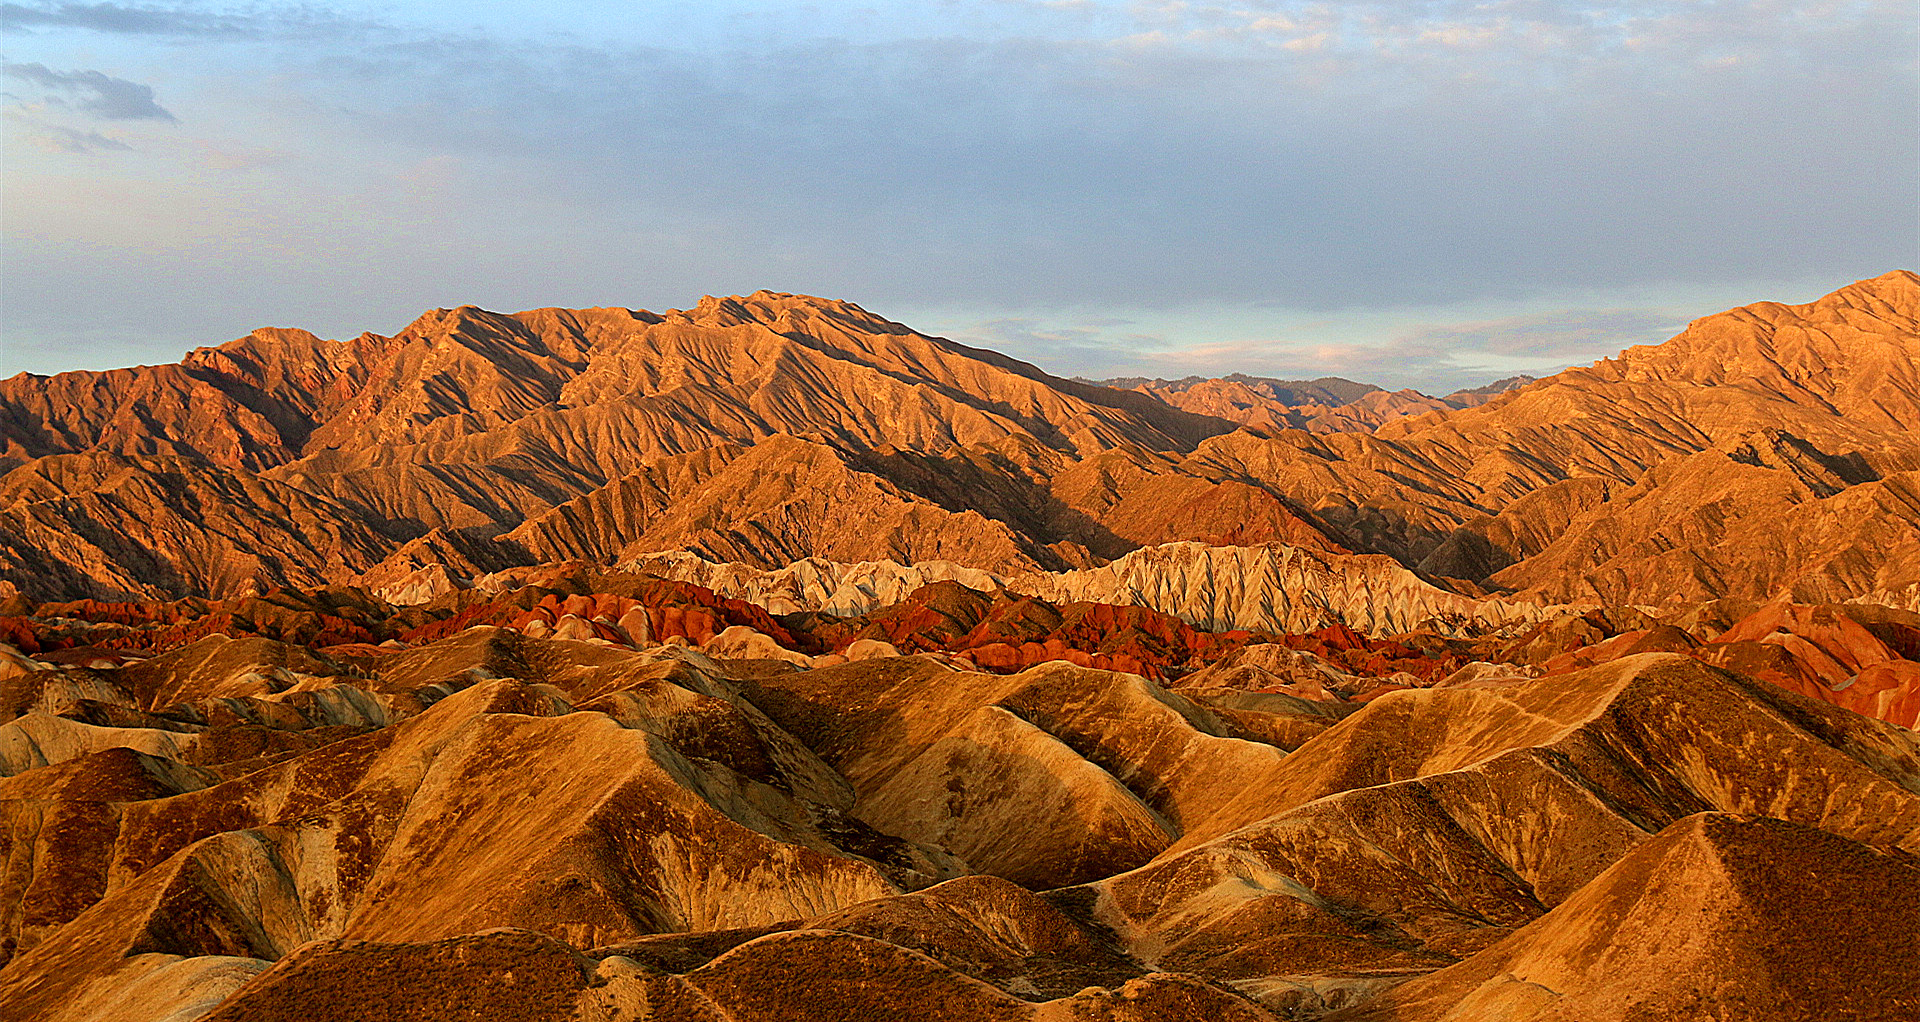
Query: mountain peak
{"points": [[768, 308], [1856, 341], [1894, 292]]}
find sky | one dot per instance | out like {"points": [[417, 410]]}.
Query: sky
{"points": [[1431, 194]]}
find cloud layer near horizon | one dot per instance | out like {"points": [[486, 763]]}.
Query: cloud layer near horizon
{"points": [[1533, 183]]}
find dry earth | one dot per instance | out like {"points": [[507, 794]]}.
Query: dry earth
{"points": [[770, 660]]}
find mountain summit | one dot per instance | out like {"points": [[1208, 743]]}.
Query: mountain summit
{"points": [[770, 661], [1765, 451]]}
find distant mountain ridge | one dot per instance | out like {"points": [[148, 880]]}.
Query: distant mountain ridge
{"points": [[1327, 390], [1330, 404]]}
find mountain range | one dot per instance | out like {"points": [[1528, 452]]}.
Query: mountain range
{"points": [[772, 660], [1326, 405], [756, 430]]}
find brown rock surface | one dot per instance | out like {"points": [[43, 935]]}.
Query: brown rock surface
{"points": [[772, 429], [472, 420], [1273, 588], [939, 687], [663, 834], [1717, 916]]}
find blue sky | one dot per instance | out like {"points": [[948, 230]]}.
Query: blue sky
{"points": [[1429, 194]]}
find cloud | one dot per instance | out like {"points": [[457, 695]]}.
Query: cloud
{"points": [[1018, 167], [1061, 348], [126, 20], [1567, 335], [113, 99], [1099, 348], [53, 138], [188, 22], [56, 139], [1400, 351], [1077, 6], [240, 157], [1045, 170], [1426, 366], [1438, 358]]}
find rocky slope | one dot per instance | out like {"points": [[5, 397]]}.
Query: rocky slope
{"points": [[473, 421], [1270, 588], [534, 809], [1744, 892], [1765, 453], [932, 686], [1661, 476]]}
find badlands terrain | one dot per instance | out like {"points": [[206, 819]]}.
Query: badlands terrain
{"points": [[771, 660]]}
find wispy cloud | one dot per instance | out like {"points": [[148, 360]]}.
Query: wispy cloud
{"points": [[1434, 357], [1438, 357], [1086, 343], [102, 95], [1426, 366], [1078, 6], [188, 22], [128, 19], [54, 138], [1562, 336]]}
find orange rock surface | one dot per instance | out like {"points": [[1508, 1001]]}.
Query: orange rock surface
{"points": [[769, 660]]}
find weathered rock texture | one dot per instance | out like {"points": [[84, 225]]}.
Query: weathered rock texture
{"points": [[762, 429], [585, 825], [1765, 453], [936, 687], [1270, 588]]}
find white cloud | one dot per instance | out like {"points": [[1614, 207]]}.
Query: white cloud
{"points": [[1561, 336], [1298, 157]]}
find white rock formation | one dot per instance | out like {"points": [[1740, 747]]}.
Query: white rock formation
{"points": [[1275, 588]]}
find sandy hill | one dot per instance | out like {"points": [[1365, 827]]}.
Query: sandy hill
{"points": [[567, 817]]}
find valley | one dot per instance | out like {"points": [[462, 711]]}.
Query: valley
{"points": [[769, 659]]}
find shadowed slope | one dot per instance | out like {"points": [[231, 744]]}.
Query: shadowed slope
{"points": [[470, 419], [1833, 386], [1718, 917], [771, 428], [668, 835]]}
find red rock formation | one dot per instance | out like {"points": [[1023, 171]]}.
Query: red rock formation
{"points": [[281, 826], [322, 700]]}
